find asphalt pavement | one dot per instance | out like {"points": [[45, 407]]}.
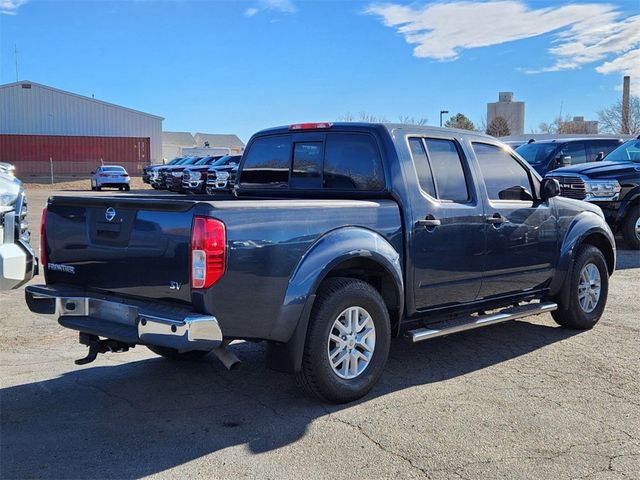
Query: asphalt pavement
{"points": [[524, 399]]}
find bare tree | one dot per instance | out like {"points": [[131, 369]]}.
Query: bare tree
{"points": [[412, 120], [498, 128], [459, 120], [369, 118], [611, 117]]}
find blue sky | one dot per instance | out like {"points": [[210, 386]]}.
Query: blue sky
{"points": [[237, 67]]}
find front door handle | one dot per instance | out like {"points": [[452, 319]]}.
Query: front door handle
{"points": [[429, 222], [496, 219]]}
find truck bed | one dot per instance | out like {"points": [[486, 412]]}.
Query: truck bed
{"points": [[144, 251]]}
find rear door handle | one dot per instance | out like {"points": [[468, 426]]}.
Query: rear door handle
{"points": [[429, 222], [496, 219]]}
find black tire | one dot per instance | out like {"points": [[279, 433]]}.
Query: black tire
{"points": [[173, 354], [317, 376], [631, 237], [571, 314], [98, 189], [127, 188]]}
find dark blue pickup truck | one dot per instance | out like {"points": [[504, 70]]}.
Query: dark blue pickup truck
{"points": [[339, 237]]}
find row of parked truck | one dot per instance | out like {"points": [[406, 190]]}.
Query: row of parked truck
{"points": [[200, 175]]}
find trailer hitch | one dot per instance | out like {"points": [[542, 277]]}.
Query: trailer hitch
{"points": [[97, 346]]}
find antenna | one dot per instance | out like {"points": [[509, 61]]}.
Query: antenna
{"points": [[15, 51]]}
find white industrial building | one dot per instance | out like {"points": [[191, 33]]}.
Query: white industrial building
{"points": [[176, 144], [512, 112], [38, 122]]}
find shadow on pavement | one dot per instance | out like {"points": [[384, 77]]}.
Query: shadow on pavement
{"points": [[145, 417]]}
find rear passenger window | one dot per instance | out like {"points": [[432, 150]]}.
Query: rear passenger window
{"points": [[307, 165], [576, 151], [352, 162], [423, 169], [604, 147], [268, 161], [502, 173], [446, 164]]}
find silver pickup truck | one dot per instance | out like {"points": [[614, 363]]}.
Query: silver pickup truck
{"points": [[18, 262]]}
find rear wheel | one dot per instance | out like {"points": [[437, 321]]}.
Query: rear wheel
{"points": [[588, 288], [127, 188], [173, 354], [631, 228], [98, 188], [347, 342]]}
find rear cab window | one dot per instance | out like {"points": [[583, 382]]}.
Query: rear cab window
{"points": [[331, 161], [440, 169]]}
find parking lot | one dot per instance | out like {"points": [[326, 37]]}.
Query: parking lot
{"points": [[523, 399]]}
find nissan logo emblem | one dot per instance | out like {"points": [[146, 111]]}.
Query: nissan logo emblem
{"points": [[110, 214]]}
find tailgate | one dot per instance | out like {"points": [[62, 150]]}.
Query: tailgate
{"points": [[136, 246]]}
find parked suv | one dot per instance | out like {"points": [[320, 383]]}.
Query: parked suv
{"points": [[341, 236], [547, 155], [613, 185]]}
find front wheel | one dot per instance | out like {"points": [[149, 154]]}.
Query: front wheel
{"points": [[631, 228], [347, 342], [588, 285]]}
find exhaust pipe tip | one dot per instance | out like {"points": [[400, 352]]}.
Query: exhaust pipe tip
{"points": [[228, 359]]}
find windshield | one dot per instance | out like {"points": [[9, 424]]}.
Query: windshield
{"points": [[112, 169], [627, 152], [221, 161], [227, 160], [535, 153], [189, 161], [204, 161]]}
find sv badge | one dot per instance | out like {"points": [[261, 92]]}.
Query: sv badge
{"points": [[173, 285]]}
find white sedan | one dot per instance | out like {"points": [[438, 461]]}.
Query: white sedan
{"points": [[110, 176]]}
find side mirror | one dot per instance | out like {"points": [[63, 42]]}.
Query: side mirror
{"points": [[517, 192], [599, 157], [549, 188], [93, 173]]}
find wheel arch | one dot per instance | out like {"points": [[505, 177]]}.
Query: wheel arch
{"points": [[352, 252], [587, 228]]}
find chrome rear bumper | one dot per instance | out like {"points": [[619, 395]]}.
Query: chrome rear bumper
{"points": [[126, 320]]}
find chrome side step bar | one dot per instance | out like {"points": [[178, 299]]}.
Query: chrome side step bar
{"points": [[469, 323]]}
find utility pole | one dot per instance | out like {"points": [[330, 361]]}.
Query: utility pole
{"points": [[15, 51], [626, 87]]}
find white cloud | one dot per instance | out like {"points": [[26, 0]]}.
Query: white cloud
{"points": [[583, 33], [284, 6], [9, 7]]}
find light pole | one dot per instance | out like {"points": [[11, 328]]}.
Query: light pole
{"points": [[442, 112]]}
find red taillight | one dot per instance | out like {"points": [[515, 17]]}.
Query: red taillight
{"points": [[43, 239], [208, 251], [310, 126], [103, 175]]}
